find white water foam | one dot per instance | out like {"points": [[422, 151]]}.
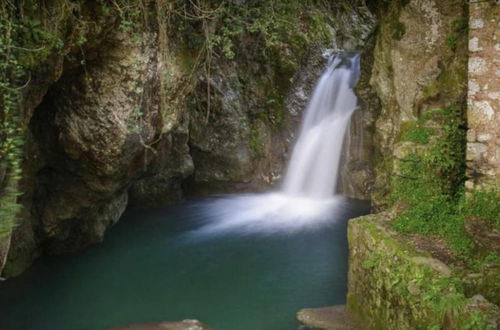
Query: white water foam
{"points": [[268, 213]]}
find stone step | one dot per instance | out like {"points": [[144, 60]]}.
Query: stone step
{"points": [[327, 318], [176, 325]]}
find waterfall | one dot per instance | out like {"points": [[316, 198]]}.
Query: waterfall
{"points": [[307, 198], [314, 166]]}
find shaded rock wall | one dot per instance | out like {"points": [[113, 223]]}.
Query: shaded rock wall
{"points": [[483, 112], [99, 125], [90, 137]]}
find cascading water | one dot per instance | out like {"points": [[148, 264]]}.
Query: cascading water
{"points": [[313, 168], [307, 197]]}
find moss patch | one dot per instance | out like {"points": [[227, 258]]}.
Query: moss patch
{"points": [[415, 131]]}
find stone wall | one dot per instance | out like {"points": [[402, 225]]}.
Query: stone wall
{"points": [[395, 285], [483, 136]]}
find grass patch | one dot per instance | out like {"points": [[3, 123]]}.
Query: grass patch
{"points": [[415, 131]]}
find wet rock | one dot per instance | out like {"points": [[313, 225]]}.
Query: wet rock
{"points": [[358, 157], [161, 184], [179, 325], [91, 143], [328, 318], [243, 139]]}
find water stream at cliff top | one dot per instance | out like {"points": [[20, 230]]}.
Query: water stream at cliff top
{"points": [[240, 262]]}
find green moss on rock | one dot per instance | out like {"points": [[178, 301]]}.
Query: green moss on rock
{"points": [[394, 286]]}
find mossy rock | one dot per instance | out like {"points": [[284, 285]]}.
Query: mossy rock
{"points": [[392, 285]]}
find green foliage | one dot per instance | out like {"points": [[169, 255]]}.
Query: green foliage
{"points": [[477, 264], [269, 36], [451, 42], [415, 131], [27, 39], [447, 155], [279, 25], [476, 320], [429, 183], [255, 142]]}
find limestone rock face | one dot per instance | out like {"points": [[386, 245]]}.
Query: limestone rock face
{"points": [[416, 68], [358, 153], [161, 182], [219, 132]]}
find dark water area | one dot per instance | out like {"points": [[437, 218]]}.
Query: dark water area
{"points": [[151, 268]]}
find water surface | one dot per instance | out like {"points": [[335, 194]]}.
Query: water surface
{"points": [[158, 265]]}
